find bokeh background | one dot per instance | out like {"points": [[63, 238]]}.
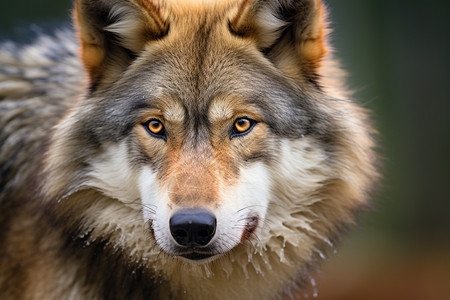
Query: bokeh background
{"points": [[397, 54]]}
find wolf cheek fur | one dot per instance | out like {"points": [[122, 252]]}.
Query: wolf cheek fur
{"points": [[214, 152]]}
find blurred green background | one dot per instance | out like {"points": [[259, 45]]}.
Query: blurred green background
{"points": [[397, 54]]}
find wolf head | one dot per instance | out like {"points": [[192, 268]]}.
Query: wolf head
{"points": [[210, 129]]}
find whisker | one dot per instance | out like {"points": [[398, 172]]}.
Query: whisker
{"points": [[250, 206]]}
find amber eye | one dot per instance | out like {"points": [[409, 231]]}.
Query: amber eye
{"points": [[242, 126], [155, 128]]}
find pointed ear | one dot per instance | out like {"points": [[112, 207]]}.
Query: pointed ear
{"points": [[291, 33], [112, 33]]}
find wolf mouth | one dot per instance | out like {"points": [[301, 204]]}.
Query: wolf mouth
{"points": [[196, 256]]}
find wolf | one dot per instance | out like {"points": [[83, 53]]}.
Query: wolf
{"points": [[177, 150]]}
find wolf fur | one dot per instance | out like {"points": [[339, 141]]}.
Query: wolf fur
{"points": [[87, 189]]}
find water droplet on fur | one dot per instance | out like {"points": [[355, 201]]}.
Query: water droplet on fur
{"points": [[84, 234], [322, 256], [246, 273], [282, 257], [301, 136], [257, 266], [314, 286], [331, 245], [227, 269], [207, 271], [267, 262]]}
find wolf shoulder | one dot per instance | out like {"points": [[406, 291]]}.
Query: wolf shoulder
{"points": [[39, 81]]}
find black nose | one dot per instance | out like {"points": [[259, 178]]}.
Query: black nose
{"points": [[193, 227]]}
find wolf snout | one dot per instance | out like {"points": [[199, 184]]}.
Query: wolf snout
{"points": [[193, 227]]}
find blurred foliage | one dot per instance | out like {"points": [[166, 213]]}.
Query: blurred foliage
{"points": [[397, 54]]}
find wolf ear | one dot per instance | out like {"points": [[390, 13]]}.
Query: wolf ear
{"points": [[112, 33], [291, 33]]}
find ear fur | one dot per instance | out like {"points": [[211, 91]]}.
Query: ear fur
{"points": [[291, 33], [113, 32]]}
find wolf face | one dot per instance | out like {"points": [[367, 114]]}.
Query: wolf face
{"points": [[182, 148], [192, 127], [214, 136]]}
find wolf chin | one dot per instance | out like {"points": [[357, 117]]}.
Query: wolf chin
{"points": [[177, 150]]}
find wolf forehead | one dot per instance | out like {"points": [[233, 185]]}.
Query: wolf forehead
{"points": [[184, 56]]}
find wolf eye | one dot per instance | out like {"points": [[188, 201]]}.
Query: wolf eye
{"points": [[155, 128], [242, 126]]}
